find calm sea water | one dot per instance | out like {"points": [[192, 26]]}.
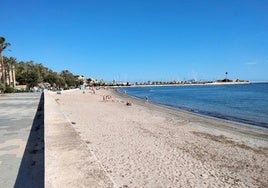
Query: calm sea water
{"points": [[241, 103]]}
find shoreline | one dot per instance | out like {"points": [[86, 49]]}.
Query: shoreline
{"points": [[230, 119], [246, 129], [146, 145]]}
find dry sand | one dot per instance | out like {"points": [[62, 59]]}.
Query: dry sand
{"points": [[144, 145]]}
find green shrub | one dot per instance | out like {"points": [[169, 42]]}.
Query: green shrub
{"points": [[9, 90], [2, 87]]}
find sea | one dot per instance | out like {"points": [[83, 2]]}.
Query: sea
{"points": [[246, 104]]}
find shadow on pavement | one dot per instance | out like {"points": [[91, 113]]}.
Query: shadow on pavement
{"points": [[31, 171]]}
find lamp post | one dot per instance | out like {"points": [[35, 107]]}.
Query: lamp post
{"points": [[226, 73]]}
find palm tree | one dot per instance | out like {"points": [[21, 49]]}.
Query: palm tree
{"points": [[13, 62], [9, 64], [6, 63], [3, 45]]}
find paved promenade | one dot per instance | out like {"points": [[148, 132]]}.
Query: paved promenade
{"points": [[40, 148], [21, 140]]}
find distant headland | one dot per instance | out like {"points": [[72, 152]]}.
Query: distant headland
{"points": [[179, 83]]}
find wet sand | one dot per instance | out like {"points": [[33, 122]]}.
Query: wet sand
{"points": [[144, 145]]}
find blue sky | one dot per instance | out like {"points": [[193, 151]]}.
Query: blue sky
{"points": [[141, 40]]}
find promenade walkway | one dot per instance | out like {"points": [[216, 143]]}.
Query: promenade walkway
{"points": [[40, 148], [21, 140]]}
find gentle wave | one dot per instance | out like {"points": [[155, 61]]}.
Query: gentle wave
{"points": [[246, 104], [220, 116]]}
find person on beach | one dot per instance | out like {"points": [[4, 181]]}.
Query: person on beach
{"points": [[107, 98], [104, 98], [147, 99], [92, 90]]}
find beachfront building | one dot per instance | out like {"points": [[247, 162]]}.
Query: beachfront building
{"points": [[82, 80], [92, 81]]}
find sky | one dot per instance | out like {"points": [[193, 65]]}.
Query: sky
{"points": [[141, 40]]}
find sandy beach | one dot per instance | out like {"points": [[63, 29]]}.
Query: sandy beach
{"points": [[145, 145]]}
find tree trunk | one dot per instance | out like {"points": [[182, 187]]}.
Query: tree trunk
{"points": [[3, 70], [1, 67], [8, 73], [13, 75]]}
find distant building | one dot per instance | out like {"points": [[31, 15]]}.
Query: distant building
{"points": [[82, 79], [92, 81]]}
